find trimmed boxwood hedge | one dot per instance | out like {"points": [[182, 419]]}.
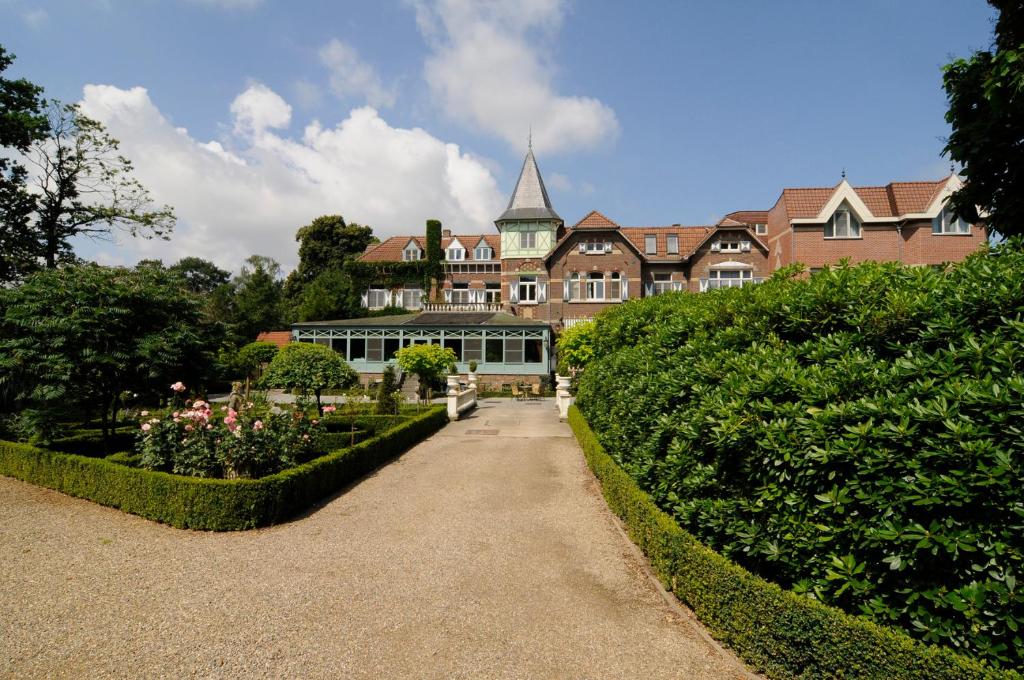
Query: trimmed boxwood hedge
{"points": [[780, 633], [212, 504]]}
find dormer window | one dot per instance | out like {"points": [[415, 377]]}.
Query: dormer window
{"points": [[761, 229], [483, 251], [842, 224], [455, 251], [412, 252], [595, 247], [651, 244], [948, 223]]}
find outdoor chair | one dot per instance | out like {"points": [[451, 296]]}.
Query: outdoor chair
{"points": [[535, 391], [516, 394]]}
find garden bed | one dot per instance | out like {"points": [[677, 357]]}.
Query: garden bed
{"points": [[212, 504]]}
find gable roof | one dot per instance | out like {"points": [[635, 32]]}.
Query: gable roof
{"points": [[530, 197], [881, 203], [689, 238], [595, 220], [391, 249], [745, 217]]}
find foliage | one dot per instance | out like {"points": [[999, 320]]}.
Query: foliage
{"points": [[780, 633], [328, 296], [576, 345], [200, 276], [213, 504], [257, 302], [986, 113], [434, 270], [389, 399], [255, 355], [195, 443], [85, 335], [854, 436], [428, 362], [387, 274], [309, 368], [85, 187], [22, 123]]}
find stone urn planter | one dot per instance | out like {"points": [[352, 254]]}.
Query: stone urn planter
{"points": [[563, 399]]}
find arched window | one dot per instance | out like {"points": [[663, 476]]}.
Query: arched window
{"points": [[595, 286], [615, 286], [948, 223]]}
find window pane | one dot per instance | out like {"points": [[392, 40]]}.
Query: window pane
{"points": [[340, 345], [673, 244], [614, 288], [391, 346], [495, 350], [534, 351], [472, 349], [357, 349], [513, 350], [375, 349], [651, 244], [830, 227], [456, 346]]}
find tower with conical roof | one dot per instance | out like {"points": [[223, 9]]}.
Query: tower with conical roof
{"points": [[529, 228], [529, 225]]}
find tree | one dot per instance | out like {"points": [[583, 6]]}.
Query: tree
{"points": [[388, 396], [308, 367], [22, 123], [427, 362], [86, 188], [576, 345], [254, 356], [435, 263], [325, 245], [257, 300], [328, 296], [84, 335], [986, 112], [200, 276]]}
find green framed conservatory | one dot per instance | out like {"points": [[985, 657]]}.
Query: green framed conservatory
{"points": [[500, 343]]}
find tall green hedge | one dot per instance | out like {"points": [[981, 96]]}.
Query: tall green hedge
{"points": [[781, 634], [213, 504], [854, 436]]}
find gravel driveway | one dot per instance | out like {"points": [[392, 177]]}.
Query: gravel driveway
{"points": [[486, 551]]}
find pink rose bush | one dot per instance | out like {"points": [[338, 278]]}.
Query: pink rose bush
{"points": [[196, 443]]}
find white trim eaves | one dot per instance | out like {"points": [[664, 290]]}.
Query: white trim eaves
{"points": [[843, 192], [952, 184]]}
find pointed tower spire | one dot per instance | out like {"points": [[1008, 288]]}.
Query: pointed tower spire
{"points": [[530, 198]]}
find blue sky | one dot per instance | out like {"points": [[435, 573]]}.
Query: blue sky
{"points": [[653, 113]]}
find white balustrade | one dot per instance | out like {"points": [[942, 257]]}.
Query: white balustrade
{"points": [[460, 401]]}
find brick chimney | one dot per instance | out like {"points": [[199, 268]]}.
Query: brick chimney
{"points": [[446, 233]]}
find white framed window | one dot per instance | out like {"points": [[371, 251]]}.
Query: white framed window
{"points": [[460, 293], [672, 244], [729, 278], [662, 283], [412, 253], [412, 298], [527, 289], [456, 253], [574, 287], [948, 223], [761, 229], [527, 240], [483, 251], [492, 292], [595, 247], [377, 298], [615, 286], [730, 245], [651, 244], [842, 224], [595, 286]]}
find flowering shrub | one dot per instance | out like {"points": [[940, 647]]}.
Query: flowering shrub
{"points": [[197, 443]]}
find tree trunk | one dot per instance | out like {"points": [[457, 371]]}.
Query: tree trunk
{"points": [[319, 408]]}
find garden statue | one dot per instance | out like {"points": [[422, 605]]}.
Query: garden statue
{"points": [[235, 398]]}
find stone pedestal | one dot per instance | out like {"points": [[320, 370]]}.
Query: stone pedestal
{"points": [[563, 400]]}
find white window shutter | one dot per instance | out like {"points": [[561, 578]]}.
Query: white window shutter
{"points": [[716, 247], [448, 295], [513, 293], [607, 246], [566, 289], [625, 289], [745, 246], [677, 285], [648, 289], [583, 247], [364, 299], [389, 298], [542, 292]]}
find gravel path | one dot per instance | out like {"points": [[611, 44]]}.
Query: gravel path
{"points": [[486, 551]]}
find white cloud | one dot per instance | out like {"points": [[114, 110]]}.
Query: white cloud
{"points": [[490, 68], [35, 18], [350, 76], [250, 193], [307, 94]]}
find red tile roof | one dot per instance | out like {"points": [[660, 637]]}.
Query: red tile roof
{"points": [[689, 238], [746, 217], [391, 249], [279, 338], [892, 200], [595, 220]]}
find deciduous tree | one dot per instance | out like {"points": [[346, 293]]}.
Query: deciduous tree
{"points": [[309, 368]]}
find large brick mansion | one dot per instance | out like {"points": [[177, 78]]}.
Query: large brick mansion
{"points": [[504, 293]]}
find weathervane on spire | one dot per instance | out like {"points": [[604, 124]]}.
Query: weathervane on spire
{"points": [[843, 173], [529, 140]]}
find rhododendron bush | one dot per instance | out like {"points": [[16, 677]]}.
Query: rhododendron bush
{"points": [[200, 442]]}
